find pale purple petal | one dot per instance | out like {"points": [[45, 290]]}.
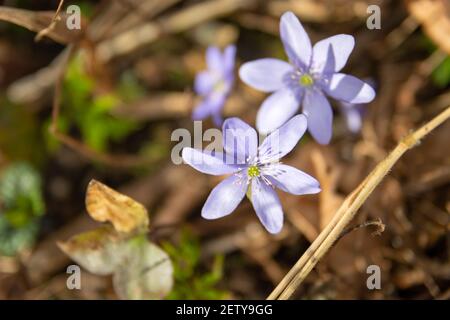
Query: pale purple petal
{"points": [[283, 140], [240, 140], [276, 110], [202, 110], [214, 59], [267, 206], [210, 105], [294, 181], [331, 54], [319, 115], [353, 116], [295, 40], [204, 83], [347, 88], [217, 101], [224, 198], [206, 162], [217, 119], [265, 74], [229, 56]]}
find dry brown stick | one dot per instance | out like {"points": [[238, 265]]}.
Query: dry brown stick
{"points": [[348, 210], [52, 25]]}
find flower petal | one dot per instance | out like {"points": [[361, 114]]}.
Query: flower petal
{"points": [[295, 40], [276, 110], [347, 88], [229, 57], [202, 110], [282, 141], [214, 59], [267, 206], [331, 54], [319, 114], [224, 198], [265, 74], [217, 119], [211, 105], [206, 162], [292, 180], [203, 83], [240, 140], [353, 115]]}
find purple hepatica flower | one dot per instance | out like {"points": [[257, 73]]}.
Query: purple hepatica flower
{"points": [[312, 74], [215, 83], [353, 115], [254, 169]]}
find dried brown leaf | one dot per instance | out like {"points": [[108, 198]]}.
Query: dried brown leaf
{"points": [[105, 204]]}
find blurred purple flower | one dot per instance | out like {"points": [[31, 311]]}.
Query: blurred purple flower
{"points": [[353, 115], [312, 73], [215, 83], [254, 169]]}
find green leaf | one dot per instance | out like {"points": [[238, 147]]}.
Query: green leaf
{"points": [[441, 75], [21, 189]]}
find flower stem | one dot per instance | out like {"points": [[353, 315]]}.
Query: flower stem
{"points": [[347, 211]]}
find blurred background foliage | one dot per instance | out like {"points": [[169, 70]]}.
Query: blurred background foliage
{"points": [[90, 111], [21, 207], [191, 283]]}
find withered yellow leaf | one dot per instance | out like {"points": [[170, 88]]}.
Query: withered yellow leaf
{"points": [[105, 204]]}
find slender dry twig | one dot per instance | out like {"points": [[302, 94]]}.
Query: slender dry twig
{"points": [[52, 25], [380, 226], [348, 210]]}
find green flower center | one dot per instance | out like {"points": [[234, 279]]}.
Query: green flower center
{"points": [[219, 86], [253, 171], [306, 80]]}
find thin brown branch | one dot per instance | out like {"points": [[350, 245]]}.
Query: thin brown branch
{"points": [[380, 226], [55, 20]]}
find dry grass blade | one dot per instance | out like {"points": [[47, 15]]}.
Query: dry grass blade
{"points": [[348, 210]]}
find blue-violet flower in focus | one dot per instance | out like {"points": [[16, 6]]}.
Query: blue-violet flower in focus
{"points": [[253, 169], [215, 83], [312, 74]]}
